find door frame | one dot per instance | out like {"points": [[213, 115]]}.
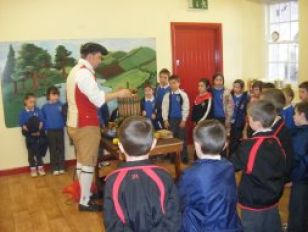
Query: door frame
{"points": [[217, 27]]}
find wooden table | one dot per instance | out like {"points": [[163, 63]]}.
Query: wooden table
{"points": [[172, 146]]}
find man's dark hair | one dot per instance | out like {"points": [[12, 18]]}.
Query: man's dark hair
{"points": [[174, 78], [136, 135], [92, 48], [52, 90], [262, 111], [28, 95], [257, 84], [211, 135], [302, 107], [218, 75], [164, 71], [240, 82], [276, 97], [304, 85]]}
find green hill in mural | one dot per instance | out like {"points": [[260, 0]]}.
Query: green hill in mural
{"points": [[137, 57]]}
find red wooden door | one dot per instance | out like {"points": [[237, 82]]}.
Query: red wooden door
{"points": [[196, 53]]}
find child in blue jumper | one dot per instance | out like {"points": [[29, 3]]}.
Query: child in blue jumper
{"points": [[54, 125], [298, 206], [288, 111], [148, 105], [175, 111], [162, 88], [31, 123], [240, 99], [223, 105], [207, 190]]}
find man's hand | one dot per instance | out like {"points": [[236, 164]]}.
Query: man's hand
{"points": [[25, 128], [166, 124], [123, 93], [144, 113], [183, 124]]}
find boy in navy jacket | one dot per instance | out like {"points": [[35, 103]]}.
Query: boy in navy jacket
{"points": [[175, 111], [54, 124], [162, 88], [139, 196], [207, 190], [31, 123], [263, 162], [298, 206]]}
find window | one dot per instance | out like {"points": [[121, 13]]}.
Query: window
{"points": [[282, 41]]}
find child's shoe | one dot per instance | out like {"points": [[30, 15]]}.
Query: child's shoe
{"points": [[55, 173], [33, 172], [41, 171]]}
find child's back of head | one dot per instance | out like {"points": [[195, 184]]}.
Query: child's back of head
{"points": [[210, 137], [276, 97], [136, 136]]}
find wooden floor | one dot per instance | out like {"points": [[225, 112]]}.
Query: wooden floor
{"points": [[38, 205]]}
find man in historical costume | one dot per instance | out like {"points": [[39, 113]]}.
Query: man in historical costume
{"points": [[84, 98]]}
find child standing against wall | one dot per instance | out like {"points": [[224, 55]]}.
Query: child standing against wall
{"points": [[148, 105], [54, 125], [31, 123]]}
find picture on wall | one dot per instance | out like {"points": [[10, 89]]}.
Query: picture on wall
{"points": [[36, 65]]}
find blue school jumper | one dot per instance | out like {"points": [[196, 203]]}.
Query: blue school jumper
{"points": [[53, 116], [26, 114], [175, 106], [159, 96], [149, 106], [240, 108], [218, 107], [287, 114]]}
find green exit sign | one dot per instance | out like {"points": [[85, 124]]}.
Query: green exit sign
{"points": [[198, 4]]}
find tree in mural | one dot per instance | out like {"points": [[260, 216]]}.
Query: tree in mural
{"points": [[63, 59], [31, 62], [9, 68]]}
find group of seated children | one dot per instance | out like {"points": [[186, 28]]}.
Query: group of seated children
{"points": [[140, 196], [44, 128]]}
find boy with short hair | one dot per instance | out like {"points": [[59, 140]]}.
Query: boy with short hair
{"points": [[303, 91], [31, 123], [139, 196], [207, 190], [262, 160], [288, 110], [148, 105], [298, 206], [54, 124], [175, 111], [240, 99], [277, 98], [162, 88]]}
